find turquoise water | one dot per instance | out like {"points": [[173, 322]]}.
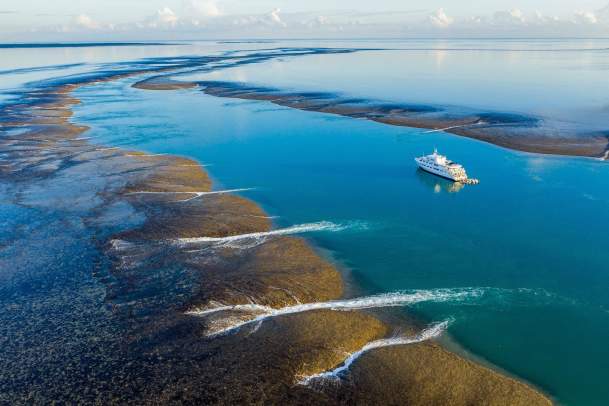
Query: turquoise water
{"points": [[534, 229], [535, 225]]}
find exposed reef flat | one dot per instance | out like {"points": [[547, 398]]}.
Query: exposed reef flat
{"points": [[163, 83], [514, 131], [428, 367], [98, 293]]}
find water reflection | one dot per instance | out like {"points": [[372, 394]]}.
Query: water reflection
{"points": [[438, 184]]}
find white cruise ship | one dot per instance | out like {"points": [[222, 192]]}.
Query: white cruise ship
{"points": [[441, 166]]}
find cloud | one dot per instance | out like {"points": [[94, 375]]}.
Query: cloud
{"points": [[603, 14], [275, 18], [206, 18], [269, 20], [511, 17], [84, 21], [517, 22], [164, 18], [316, 22], [585, 17], [200, 8], [540, 19], [440, 19]]}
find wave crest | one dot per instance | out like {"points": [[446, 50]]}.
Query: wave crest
{"points": [[262, 313], [433, 331], [252, 239]]}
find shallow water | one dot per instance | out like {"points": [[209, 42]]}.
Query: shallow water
{"points": [[565, 82], [535, 226]]}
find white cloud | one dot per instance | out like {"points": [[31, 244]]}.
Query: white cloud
{"points": [[275, 18], [164, 18], [84, 21], [205, 17], [476, 20], [269, 20], [539, 18], [603, 14], [585, 17], [511, 17], [200, 8], [316, 22], [440, 19]]}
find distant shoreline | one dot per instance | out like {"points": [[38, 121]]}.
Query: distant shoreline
{"points": [[81, 44], [513, 131]]}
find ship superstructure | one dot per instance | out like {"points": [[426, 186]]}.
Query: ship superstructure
{"points": [[441, 166]]}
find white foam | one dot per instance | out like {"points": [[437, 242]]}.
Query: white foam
{"points": [[145, 155], [120, 245], [261, 236], [246, 307], [395, 299], [427, 334], [436, 130], [195, 193], [193, 165], [217, 192]]}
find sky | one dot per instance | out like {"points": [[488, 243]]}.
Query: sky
{"points": [[72, 20]]}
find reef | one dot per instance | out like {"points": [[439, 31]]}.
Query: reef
{"points": [[513, 131], [419, 374], [105, 297], [163, 83]]}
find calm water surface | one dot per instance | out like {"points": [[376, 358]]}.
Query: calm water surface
{"points": [[535, 228]]}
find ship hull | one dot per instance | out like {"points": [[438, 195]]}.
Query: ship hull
{"points": [[434, 172]]}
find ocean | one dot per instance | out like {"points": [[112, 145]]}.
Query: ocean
{"points": [[531, 236]]}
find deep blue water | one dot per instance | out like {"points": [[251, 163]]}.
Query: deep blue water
{"points": [[535, 226]]}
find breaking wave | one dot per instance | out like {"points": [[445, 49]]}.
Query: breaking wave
{"points": [[433, 331], [262, 313], [251, 239], [196, 194], [244, 241], [216, 192]]}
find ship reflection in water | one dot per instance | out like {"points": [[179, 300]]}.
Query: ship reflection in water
{"points": [[438, 184]]}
